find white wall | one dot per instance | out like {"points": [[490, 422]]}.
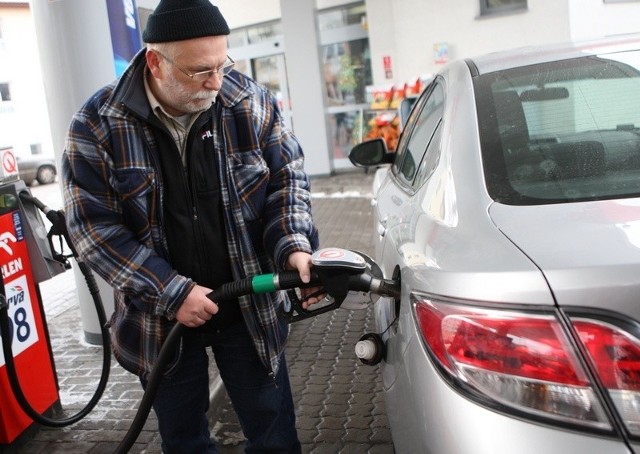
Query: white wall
{"points": [[244, 13], [408, 29], [24, 120]]}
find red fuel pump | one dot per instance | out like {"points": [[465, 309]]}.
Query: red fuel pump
{"points": [[25, 260]]}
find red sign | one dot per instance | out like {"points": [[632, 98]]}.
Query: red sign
{"points": [[386, 63], [29, 343], [9, 162]]}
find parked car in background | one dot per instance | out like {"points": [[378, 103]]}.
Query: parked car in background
{"points": [[510, 213], [37, 169]]}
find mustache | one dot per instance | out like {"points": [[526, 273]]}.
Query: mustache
{"points": [[204, 95]]}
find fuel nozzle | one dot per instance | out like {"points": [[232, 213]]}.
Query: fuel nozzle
{"points": [[343, 273]]}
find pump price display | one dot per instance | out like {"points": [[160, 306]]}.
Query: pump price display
{"points": [[13, 259]]}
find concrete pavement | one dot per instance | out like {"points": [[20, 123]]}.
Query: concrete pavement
{"points": [[339, 405]]}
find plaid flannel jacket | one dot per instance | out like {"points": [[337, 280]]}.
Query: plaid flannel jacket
{"points": [[113, 193]]}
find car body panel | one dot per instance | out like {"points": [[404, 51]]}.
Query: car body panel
{"points": [[554, 237]]}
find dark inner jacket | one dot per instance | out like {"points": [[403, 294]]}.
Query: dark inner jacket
{"points": [[194, 221]]}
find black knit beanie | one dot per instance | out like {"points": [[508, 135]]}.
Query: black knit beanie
{"points": [[177, 20]]}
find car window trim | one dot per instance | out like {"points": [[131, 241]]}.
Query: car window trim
{"points": [[396, 172]]}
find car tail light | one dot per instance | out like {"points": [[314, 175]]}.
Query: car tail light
{"points": [[615, 355], [520, 360]]}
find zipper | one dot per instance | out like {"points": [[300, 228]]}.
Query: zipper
{"points": [[159, 183], [190, 186]]}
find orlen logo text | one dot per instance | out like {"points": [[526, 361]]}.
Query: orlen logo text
{"points": [[13, 266]]}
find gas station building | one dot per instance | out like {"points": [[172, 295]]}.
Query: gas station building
{"points": [[323, 59]]}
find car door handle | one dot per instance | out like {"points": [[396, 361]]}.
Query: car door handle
{"points": [[382, 226], [374, 203]]}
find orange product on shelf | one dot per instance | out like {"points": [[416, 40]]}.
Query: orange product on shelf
{"points": [[399, 94], [382, 97], [386, 126]]}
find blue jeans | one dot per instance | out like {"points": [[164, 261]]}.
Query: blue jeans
{"points": [[264, 406]]}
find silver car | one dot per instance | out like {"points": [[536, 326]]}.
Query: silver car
{"points": [[36, 168], [510, 213]]}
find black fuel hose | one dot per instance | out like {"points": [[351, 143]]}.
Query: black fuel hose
{"points": [[258, 284], [11, 368]]}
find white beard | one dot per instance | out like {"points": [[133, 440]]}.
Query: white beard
{"points": [[181, 99]]}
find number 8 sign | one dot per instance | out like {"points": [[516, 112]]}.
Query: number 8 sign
{"points": [[21, 319]]}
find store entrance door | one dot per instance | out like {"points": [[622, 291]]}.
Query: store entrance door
{"points": [[259, 53], [271, 71], [346, 60]]}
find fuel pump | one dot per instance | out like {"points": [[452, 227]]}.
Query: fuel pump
{"points": [[25, 261], [27, 258], [58, 229]]}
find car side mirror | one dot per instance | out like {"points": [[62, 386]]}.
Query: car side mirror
{"points": [[371, 153]]}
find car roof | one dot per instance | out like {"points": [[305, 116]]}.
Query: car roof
{"points": [[530, 55]]}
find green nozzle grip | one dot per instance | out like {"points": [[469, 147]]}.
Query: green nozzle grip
{"points": [[263, 283]]}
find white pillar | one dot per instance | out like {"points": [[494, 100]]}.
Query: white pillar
{"points": [[302, 53], [77, 59]]}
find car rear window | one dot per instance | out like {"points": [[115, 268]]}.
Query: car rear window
{"points": [[563, 131]]}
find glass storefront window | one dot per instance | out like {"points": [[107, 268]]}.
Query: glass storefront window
{"points": [[251, 35], [347, 71], [266, 72], [346, 131], [262, 32], [242, 66], [5, 92], [237, 38], [498, 6], [341, 17]]}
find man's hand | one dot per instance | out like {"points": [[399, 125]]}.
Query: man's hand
{"points": [[301, 261], [197, 308]]}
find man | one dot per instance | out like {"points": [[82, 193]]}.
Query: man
{"points": [[179, 177]]}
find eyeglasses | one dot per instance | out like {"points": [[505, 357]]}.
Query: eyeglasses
{"points": [[202, 76]]}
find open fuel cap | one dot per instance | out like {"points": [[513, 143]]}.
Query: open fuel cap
{"points": [[338, 258]]}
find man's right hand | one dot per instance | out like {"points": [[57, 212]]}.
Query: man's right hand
{"points": [[196, 308]]}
